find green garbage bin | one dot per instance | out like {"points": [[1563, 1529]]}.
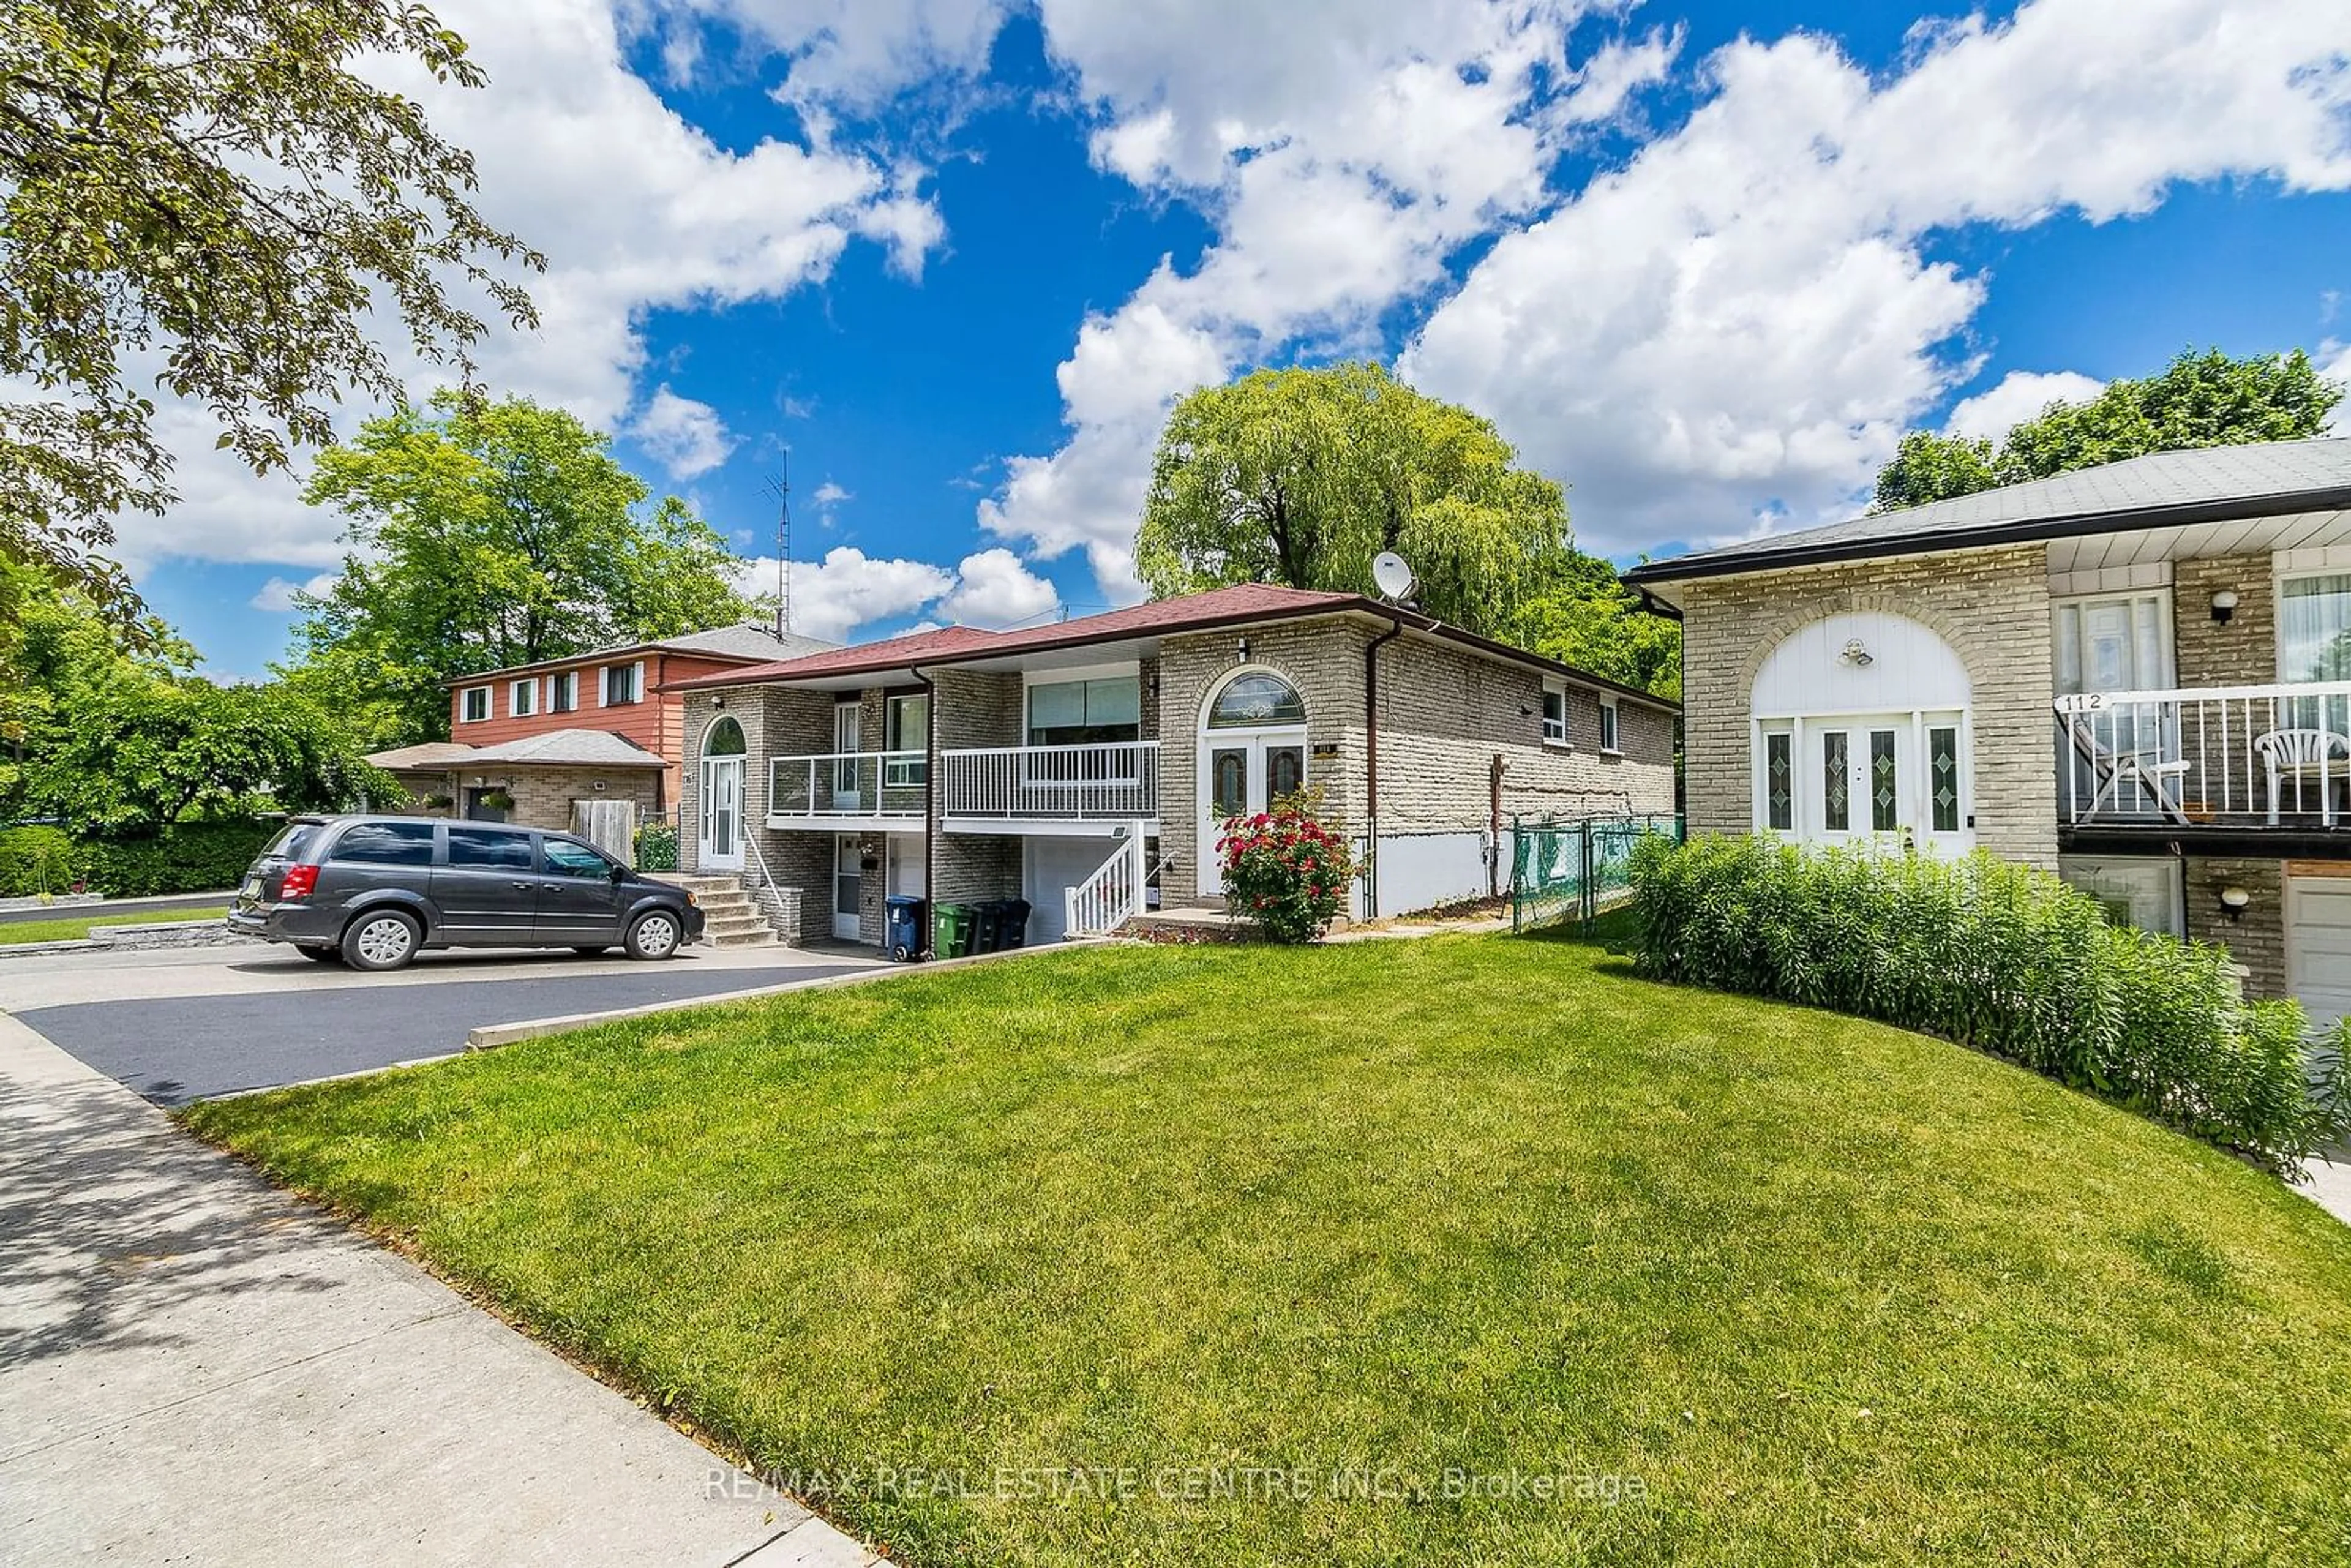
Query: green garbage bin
{"points": [[951, 930]]}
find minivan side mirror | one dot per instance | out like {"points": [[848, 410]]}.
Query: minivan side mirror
{"points": [[619, 873]]}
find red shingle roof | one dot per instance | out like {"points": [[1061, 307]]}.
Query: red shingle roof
{"points": [[1217, 606]]}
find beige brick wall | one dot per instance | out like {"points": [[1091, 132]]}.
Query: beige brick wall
{"points": [[1992, 606], [2257, 939], [2243, 652], [1446, 713]]}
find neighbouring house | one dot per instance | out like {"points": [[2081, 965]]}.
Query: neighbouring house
{"points": [[587, 781], [2137, 676], [1085, 766]]}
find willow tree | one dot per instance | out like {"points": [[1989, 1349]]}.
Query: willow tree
{"points": [[1301, 476], [204, 200]]}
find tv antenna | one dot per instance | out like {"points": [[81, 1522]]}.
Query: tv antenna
{"points": [[780, 485], [1393, 577]]}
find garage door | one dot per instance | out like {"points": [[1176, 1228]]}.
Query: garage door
{"points": [[2318, 946], [1055, 866]]}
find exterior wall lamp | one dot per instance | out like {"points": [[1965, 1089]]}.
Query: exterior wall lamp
{"points": [[1855, 654], [2224, 605], [1244, 647], [2233, 900]]}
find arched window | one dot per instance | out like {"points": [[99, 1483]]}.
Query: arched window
{"points": [[1254, 701], [725, 739]]}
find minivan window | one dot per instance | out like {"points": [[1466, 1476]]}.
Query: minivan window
{"points": [[573, 860], [385, 843], [483, 846], [297, 838]]}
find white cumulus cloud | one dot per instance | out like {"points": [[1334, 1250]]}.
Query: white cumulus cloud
{"points": [[993, 588], [1744, 318], [277, 595], [686, 437]]}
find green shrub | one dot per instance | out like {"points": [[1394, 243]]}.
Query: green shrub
{"points": [[657, 847], [35, 861], [2002, 958], [194, 857]]}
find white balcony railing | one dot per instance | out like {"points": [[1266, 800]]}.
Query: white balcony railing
{"points": [[1110, 780], [2274, 756], [846, 784]]}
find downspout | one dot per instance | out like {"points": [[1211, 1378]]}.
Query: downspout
{"points": [[1372, 765], [930, 803], [1494, 826]]}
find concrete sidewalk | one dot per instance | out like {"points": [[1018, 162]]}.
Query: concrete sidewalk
{"points": [[196, 1368]]}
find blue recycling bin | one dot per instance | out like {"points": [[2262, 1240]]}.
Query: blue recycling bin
{"points": [[903, 927]]}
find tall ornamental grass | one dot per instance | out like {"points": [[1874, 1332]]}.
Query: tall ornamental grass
{"points": [[2005, 958]]}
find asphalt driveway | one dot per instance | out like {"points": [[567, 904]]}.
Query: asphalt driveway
{"points": [[191, 1024]]}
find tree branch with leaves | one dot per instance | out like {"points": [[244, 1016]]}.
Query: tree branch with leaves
{"points": [[205, 200]]}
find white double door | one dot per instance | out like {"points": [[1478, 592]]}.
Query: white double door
{"points": [[1243, 772], [1889, 779]]}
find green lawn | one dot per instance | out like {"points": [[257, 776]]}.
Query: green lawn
{"points": [[74, 928], [1794, 1288]]}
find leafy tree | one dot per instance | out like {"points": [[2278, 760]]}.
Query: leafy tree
{"points": [[487, 534], [111, 733], [205, 195], [2198, 400], [147, 753], [1586, 617], [1301, 476], [1930, 467]]}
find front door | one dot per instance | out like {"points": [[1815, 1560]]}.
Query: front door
{"points": [[1241, 775], [848, 887], [1891, 779], [722, 814]]}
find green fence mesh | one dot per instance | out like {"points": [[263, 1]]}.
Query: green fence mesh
{"points": [[1573, 869]]}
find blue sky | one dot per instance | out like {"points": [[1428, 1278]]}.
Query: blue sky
{"points": [[1702, 263]]}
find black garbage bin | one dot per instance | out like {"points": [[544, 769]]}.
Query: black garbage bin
{"points": [[903, 927], [1014, 931], [988, 925]]}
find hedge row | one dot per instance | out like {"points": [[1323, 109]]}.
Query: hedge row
{"points": [[195, 857], [2005, 958]]}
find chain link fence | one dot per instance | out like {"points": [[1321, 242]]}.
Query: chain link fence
{"points": [[1575, 869]]}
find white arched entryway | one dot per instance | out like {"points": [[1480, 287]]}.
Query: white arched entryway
{"points": [[723, 754], [1252, 752], [1862, 734]]}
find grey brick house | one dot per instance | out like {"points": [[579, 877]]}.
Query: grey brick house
{"points": [[1083, 766], [2138, 675]]}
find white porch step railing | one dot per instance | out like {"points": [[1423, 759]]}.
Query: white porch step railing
{"points": [[846, 784], [1113, 896], [1114, 780], [2268, 756]]}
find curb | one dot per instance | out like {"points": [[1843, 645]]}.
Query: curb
{"points": [[489, 1037]]}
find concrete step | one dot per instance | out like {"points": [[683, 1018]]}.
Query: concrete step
{"points": [[732, 924], [723, 903], [701, 886], [762, 937]]}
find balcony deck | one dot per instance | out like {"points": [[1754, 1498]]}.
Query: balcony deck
{"points": [[1076, 789], [2212, 765]]}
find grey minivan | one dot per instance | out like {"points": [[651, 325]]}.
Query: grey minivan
{"points": [[375, 890]]}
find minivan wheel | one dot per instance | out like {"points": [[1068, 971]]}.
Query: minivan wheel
{"points": [[384, 939], [320, 955], [653, 935]]}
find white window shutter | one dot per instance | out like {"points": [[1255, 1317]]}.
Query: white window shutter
{"points": [[637, 685], [603, 673]]}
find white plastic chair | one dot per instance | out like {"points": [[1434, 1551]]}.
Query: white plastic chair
{"points": [[2300, 752]]}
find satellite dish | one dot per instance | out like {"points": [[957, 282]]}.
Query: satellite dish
{"points": [[1395, 578]]}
